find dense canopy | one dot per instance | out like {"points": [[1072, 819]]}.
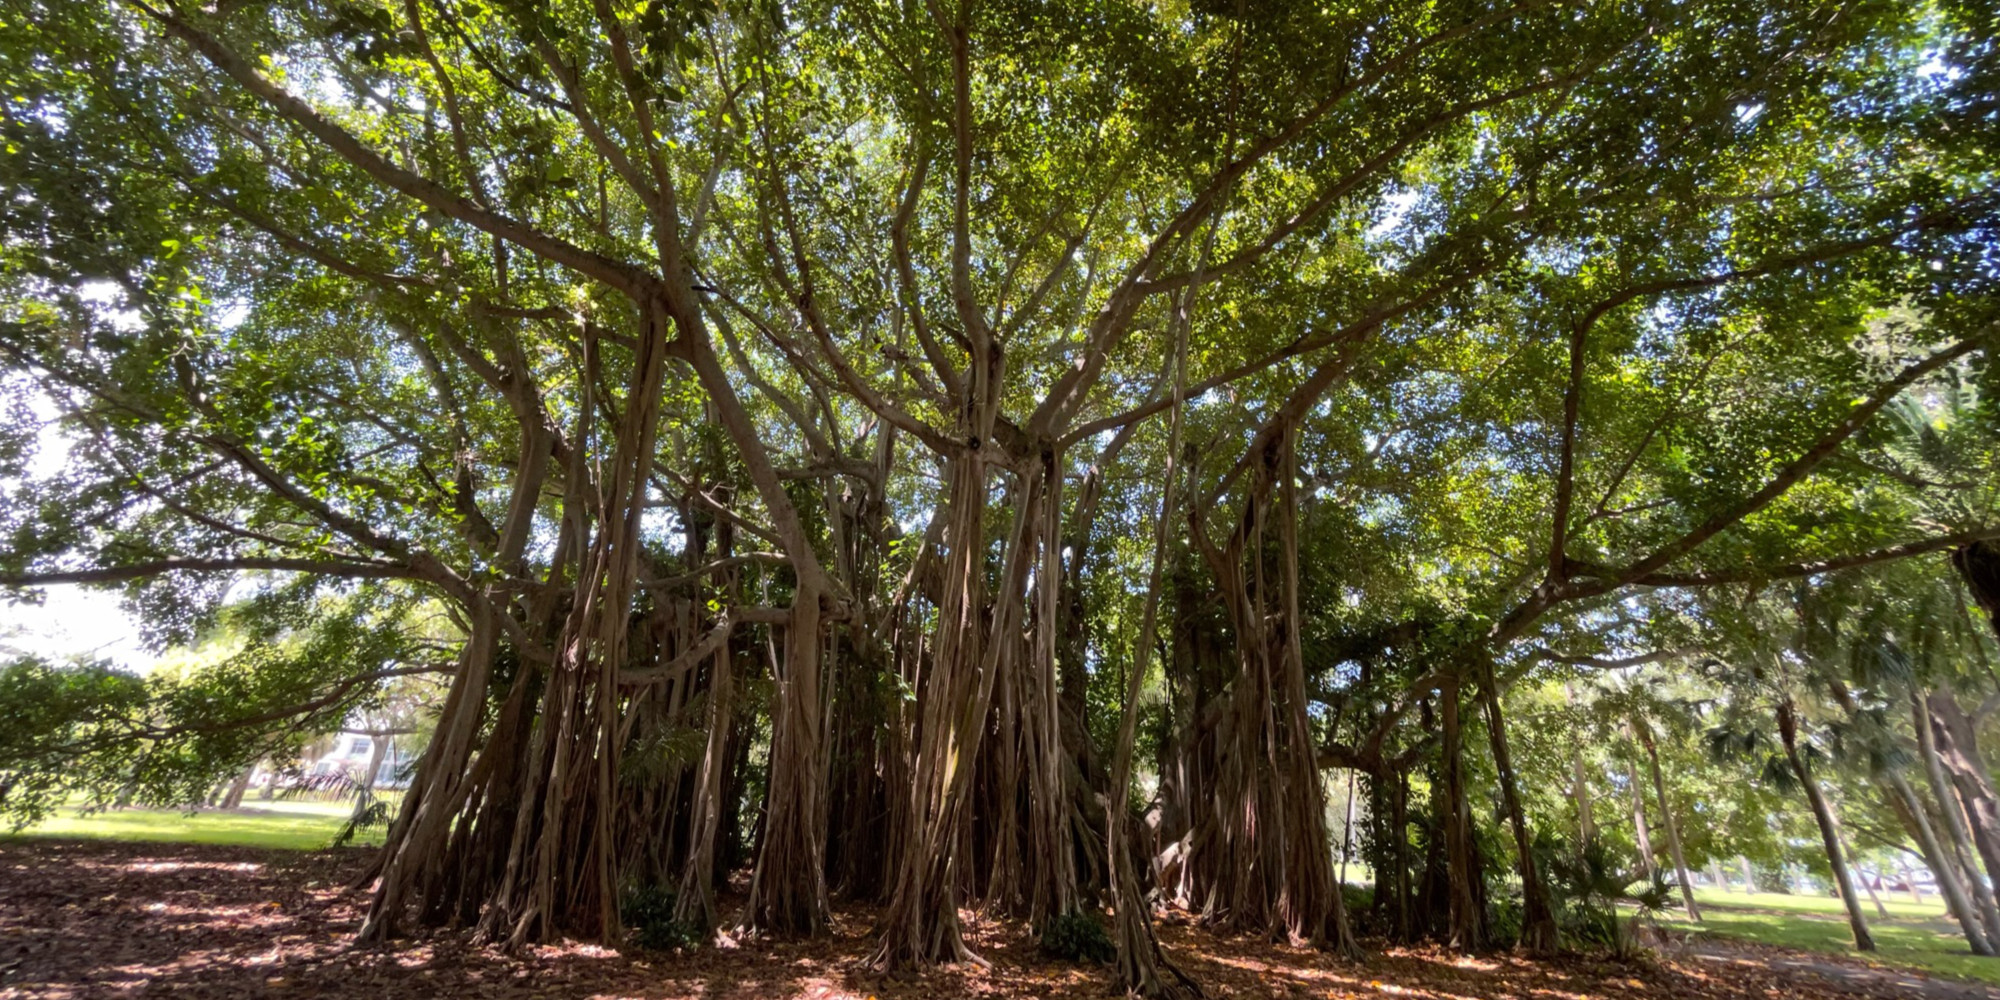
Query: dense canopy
{"points": [[1018, 453]]}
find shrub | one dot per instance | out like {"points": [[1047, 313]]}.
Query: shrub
{"points": [[1587, 885], [1078, 936], [648, 914], [369, 812], [1770, 878]]}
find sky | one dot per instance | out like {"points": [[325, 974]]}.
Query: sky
{"points": [[73, 622]]}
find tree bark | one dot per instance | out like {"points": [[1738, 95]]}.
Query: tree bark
{"points": [[1640, 833], [788, 888], [695, 902], [1964, 854], [233, 798], [1053, 853], [1958, 752], [1538, 923], [1466, 922], [1667, 818], [1143, 967], [1269, 865], [1312, 903], [1586, 823], [1910, 809], [439, 789], [1867, 886], [365, 793], [922, 925], [1829, 834]]}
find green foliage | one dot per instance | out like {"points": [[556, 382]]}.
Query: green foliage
{"points": [[369, 813], [1627, 261], [647, 911], [664, 751], [1770, 878], [1078, 936], [62, 727], [1588, 885], [289, 665]]}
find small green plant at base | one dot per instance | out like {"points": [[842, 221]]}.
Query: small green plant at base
{"points": [[648, 914], [1587, 886], [1078, 936], [369, 814]]}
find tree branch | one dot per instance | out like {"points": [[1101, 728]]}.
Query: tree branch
{"points": [[137, 571], [630, 280]]}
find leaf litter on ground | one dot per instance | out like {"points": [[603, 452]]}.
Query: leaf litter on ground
{"points": [[109, 919]]}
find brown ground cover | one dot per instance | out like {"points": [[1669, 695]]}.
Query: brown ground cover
{"points": [[149, 920]]}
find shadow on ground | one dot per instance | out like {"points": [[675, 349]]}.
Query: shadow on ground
{"points": [[83, 919]]}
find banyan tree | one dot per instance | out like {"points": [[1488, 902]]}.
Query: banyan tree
{"points": [[1001, 455]]}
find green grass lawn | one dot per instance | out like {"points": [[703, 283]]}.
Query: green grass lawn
{"points": [[290, 825], [1898, 904], [1914, 937]]}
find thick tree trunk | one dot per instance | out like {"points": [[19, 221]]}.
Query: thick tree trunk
{"points": [[365, 794], [1667, 818], [1052, 852], [1084, 777], [440, 789], [1465, 927], [788, 890], [788, 887], [1311, 904], [433, 797], [1586, 822], [1237, 861], [1538, 923], [1000, 804], [233, 797], [1640, 833], [922, 925], [1958, 752], [695, 901], [1269, 866], [1910, 809], [1964, 853], [1829, 833]]}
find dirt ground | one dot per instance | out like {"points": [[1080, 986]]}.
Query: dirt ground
{"points": [[145, 920]]}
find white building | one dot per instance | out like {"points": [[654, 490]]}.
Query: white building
{"points": [[350, 753]]}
